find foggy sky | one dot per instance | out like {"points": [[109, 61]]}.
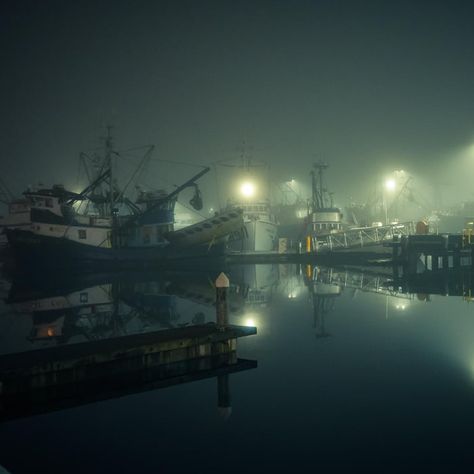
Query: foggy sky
{"points": [[368, 86]]}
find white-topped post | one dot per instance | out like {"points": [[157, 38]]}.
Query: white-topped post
{"points": [[222, 284]]}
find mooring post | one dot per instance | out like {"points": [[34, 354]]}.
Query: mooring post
{"points": [[222, 285]]}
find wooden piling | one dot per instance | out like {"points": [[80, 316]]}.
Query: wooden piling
{"points": [[224, 405], [222, 285]]}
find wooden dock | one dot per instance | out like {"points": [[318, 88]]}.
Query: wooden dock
{"points": [[433, 252], [62, 376]]}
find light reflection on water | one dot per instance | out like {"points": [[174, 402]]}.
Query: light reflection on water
{"points": [[350, 370]]}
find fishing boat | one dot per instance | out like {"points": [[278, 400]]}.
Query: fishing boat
{"points": [[59, 235], [18, 217], [325, 218], [260, 232], [18, 212], [291, 210], [260, 227]]}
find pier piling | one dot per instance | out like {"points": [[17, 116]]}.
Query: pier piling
{"points": [[222, 285]]}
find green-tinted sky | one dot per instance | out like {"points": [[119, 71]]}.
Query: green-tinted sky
{"points": [[369, 86]]}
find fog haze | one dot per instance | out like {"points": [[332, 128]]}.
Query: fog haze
{"points": [[367, 86]]}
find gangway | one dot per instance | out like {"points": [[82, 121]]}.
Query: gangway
{"points": [[362, 237]]}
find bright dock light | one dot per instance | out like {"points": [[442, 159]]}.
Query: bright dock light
{"points": [[390, 184], [247, 189]]}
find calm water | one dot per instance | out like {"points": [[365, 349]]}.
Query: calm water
{"points": [[349, 375]]}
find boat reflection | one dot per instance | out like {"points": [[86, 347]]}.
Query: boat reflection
{"points": [[111, 305], [105, 336], [120, 333], [325, 285]]}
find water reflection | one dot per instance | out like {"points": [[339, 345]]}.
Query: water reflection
{"points": [[337, 349], [73, 309], [94, 337]]}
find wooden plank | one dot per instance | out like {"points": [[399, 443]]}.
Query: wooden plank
{"points": [[120, 347]]}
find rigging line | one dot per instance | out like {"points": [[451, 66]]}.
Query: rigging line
{"points": [[187, 163], [127, 156], [136, 148], [163, 180], [144, 161], [192, 210], [219, 201], [79, 167]]}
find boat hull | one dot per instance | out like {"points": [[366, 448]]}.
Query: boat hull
{"points": [[33, 251], [260, 236]]}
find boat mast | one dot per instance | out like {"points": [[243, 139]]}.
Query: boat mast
{"points": [[115, 241], [317, 183], [109, 165]]}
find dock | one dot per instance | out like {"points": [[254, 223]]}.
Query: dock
{"points": [[432, 252], [62, 376]]}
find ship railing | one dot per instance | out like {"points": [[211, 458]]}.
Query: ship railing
{"points": [[361, 281]]}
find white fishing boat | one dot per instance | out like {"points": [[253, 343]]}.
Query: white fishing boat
{"points": [[260, 233], [260, 228]]}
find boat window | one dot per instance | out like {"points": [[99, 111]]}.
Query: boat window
{"points": [[49, 202], [82, 234]]}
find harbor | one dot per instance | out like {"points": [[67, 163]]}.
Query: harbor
{"points": [[114, 301], [100, 227], [236, 237]]}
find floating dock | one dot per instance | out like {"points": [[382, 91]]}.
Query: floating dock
{"points": [[62, 376]]}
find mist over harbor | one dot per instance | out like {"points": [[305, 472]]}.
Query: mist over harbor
{"points": [[368, 87]]}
